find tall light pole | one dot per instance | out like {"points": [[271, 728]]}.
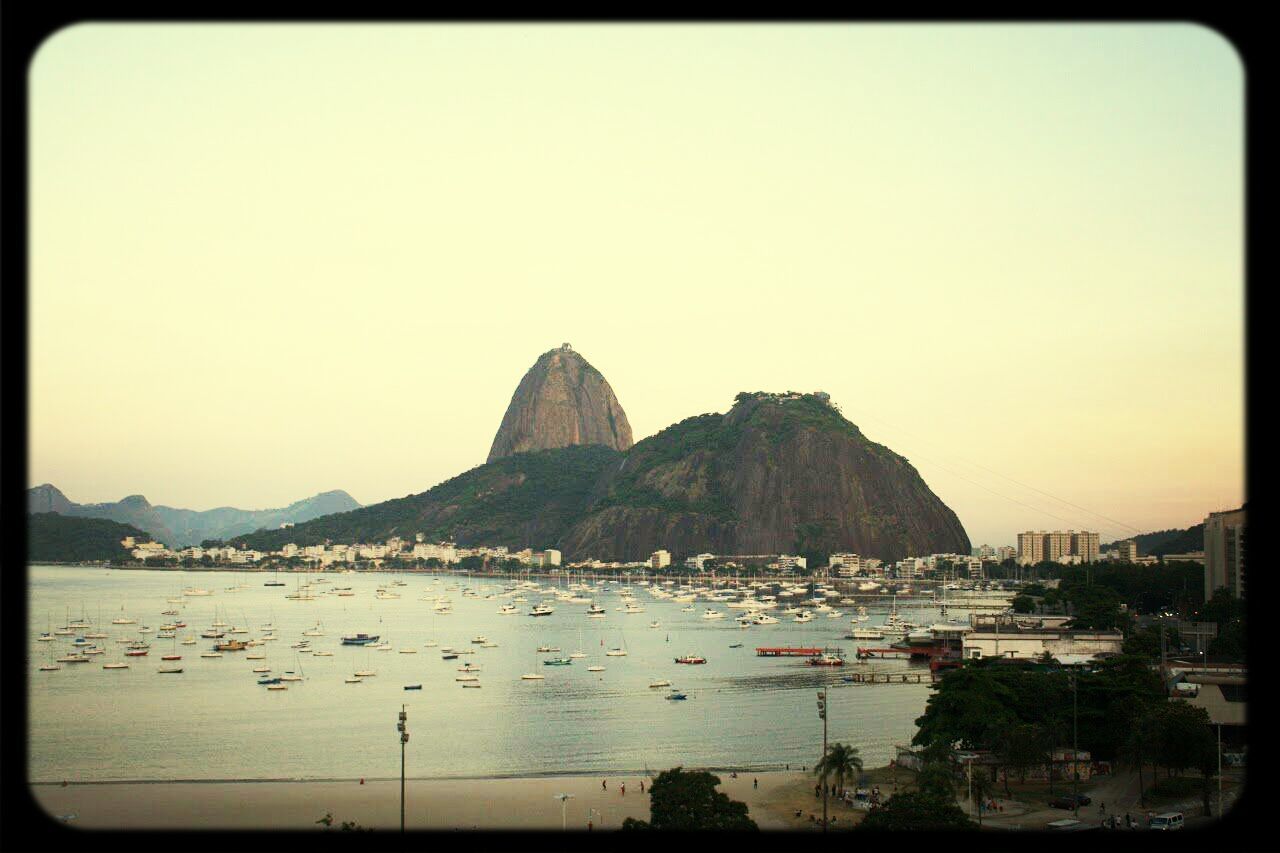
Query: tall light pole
{"points": [[404, 739], [564, 800], [1075, 751], [822, 712], [1219, 771]]}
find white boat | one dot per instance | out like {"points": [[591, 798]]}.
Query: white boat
{"points": [[655, 624], [803, 616], [712, 614], [765, 619], [662, 682], [596, 668], [508, 610]]}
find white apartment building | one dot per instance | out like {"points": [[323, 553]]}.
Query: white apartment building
{"points": [[660, 559], [552, 557], [911, 567], [846, 565], [699, 561], [445, 553]]}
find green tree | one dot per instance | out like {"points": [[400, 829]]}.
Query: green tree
{"points": [[1094, 607], [1183, 736], [684, 800], [936, 779], [917, 811], [841, 761], [1023, 604], [971, 707], [1023, 746]]}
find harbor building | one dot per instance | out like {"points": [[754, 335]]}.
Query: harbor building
{"points": [[1021, 638], [1225, 552]]}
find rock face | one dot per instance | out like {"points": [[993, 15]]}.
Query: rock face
{"points": [[780, 473], [561, 401]]}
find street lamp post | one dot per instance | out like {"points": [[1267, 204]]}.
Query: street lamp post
{"points": [[822, 712], [1075, 751], [1219, 771], [404, 739], [564, 801]]}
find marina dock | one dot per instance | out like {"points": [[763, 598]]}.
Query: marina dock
{"points": [[786, 652]]}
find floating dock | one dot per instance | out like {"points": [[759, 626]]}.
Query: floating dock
{"points": [[786, 652]]}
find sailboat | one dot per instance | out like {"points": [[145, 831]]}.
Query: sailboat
{"points": [[535, 675], [275, 579], [290, 675], [617, 652], [50, 666], [361, 673], [432, 643], [579, 653]]}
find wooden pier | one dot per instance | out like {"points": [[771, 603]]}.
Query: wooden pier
{"points": [[786, 652], [889, 677]]}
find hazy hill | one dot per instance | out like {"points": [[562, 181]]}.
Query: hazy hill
{"points": [[181, 527], [1163, 542]]}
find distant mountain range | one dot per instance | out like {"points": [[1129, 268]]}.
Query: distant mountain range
{"points": [[1163, 542], [178, 528]]}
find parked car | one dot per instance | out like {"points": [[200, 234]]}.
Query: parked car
{"points": [[1166, 822], [1067, 802]]}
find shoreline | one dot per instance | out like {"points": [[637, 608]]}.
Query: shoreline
{"points": [[495, 803]]}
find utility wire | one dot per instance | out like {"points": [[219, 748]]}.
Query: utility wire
{"points": [[1113, 521]]}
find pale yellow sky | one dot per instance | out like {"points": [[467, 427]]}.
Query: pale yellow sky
{"points": [[273, 260]]}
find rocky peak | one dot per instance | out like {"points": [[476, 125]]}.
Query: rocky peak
{"points": [[562, 400]]}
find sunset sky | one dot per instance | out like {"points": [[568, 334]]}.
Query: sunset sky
{"points": [[273, 260]]}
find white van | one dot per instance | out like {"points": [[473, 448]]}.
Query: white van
{"points": [[1167, 822]]}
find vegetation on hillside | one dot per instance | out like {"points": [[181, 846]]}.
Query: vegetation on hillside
{"points": [[528, 499], [64, 539], [1163, 542]]}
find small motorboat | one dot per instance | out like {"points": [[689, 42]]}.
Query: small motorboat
{"points": [[596, 668], [170, 670], [691, 659], [675, 695], [662, 682], [413, 687]]}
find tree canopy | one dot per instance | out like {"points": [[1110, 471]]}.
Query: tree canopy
{"points": [[687, 800], [918, 811]]}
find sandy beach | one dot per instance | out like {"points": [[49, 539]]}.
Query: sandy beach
{"points": [[524, 803]]}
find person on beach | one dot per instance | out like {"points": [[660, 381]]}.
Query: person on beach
{"points": [[642, 786], [755, 783], [624, 789], [604, 785]]}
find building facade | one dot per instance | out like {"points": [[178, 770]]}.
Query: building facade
{"points": [[1225, 552]]}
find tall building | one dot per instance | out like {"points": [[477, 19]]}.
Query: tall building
{"points": [[1034, 546], [1030, 547], [1006, 552], [1225, 552], [1085, 546], [660, 559], [1128, 550]]}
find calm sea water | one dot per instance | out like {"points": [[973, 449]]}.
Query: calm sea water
{"points": [[215, 722]]}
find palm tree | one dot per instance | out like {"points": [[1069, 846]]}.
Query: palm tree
{"points": [[841, 761]]}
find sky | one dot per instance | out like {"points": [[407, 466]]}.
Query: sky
{"points": [[272, 260]]}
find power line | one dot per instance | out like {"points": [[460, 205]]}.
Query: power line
{"points": [[1113, 521]]}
